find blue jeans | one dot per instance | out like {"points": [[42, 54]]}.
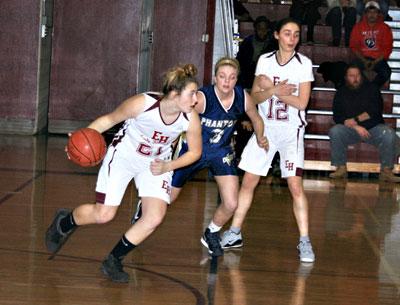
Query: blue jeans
{"points": [[382, 136]]}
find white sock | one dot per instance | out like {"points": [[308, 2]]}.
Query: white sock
{"points": [[213, 227]]}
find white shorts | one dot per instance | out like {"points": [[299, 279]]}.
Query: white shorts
{"points": [[289, 142], [117, 171]]}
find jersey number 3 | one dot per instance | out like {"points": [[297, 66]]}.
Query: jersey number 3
{"points": [[218, 133]]}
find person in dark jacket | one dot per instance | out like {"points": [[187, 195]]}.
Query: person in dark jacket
{"points": [[357, 112], [262, 41]]}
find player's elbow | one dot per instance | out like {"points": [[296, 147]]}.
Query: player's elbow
{"points": [[302, 105]]}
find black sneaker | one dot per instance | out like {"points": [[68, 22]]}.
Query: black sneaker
{"points": [[55, 238], [212, 242], [138, 212], [112, 267]]}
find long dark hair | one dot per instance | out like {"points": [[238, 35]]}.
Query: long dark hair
{"points": [[281, 23]]}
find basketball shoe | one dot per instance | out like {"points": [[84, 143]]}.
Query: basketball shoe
{"points": [[306, 252], [112, 267], [212, 242], [138, 212], [55, 238], [231, 240]]}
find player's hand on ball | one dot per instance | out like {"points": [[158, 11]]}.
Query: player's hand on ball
{"points": [[263, 142], [158, 167]]}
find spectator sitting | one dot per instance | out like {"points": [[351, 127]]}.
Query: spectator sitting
{"points": [[371, 41], [357, 112], [306, 12], [341, 13], [262, 41]]}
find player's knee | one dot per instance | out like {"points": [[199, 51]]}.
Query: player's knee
{"points": [[231, 205], [104, 216], [154, 221], [296, 191]]}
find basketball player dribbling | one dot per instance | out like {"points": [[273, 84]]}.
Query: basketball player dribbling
{"points": [[282, 90], [140, 150]]}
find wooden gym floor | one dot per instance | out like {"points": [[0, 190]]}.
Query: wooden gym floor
{"points": [[354, 225]]}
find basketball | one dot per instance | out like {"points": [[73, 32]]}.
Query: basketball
{"points": [[86, 147]]}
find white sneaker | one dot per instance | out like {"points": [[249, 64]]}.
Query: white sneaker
{"points": [[231, 240], [306, 252]]}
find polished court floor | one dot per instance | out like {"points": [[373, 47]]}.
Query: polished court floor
{"points": [[354, 226]]}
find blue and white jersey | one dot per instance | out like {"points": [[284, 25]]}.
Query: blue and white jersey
{"points": [[218, 122]]}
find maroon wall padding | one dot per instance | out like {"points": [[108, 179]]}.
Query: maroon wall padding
{"points": [[95, 57], [19, 49], [178, 26]]}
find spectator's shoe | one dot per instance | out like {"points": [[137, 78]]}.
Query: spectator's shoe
{"points": [[55, 238], [231, 240], [138, 212], [340, 173], [212, 242], [112, 267], [387, 175], [306, 253]]}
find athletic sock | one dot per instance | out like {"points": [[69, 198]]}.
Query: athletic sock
{"points": [[67, 223], [304, 239], [213, 227], [235, 230], [122, 248]]}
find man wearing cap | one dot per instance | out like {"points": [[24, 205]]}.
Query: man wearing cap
{"points": [[371, 41], [383, 5]]}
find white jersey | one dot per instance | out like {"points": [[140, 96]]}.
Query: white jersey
{"points": [[147, 136], [137, 143], [297, 70]]}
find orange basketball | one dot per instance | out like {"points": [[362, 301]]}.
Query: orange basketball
{"points": [[86, 147]]}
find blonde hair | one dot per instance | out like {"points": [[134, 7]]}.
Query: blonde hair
{"points": [[227, 61], [178, 77]]}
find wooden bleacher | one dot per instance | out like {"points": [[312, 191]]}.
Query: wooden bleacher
{"points": [[361, 157]]}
